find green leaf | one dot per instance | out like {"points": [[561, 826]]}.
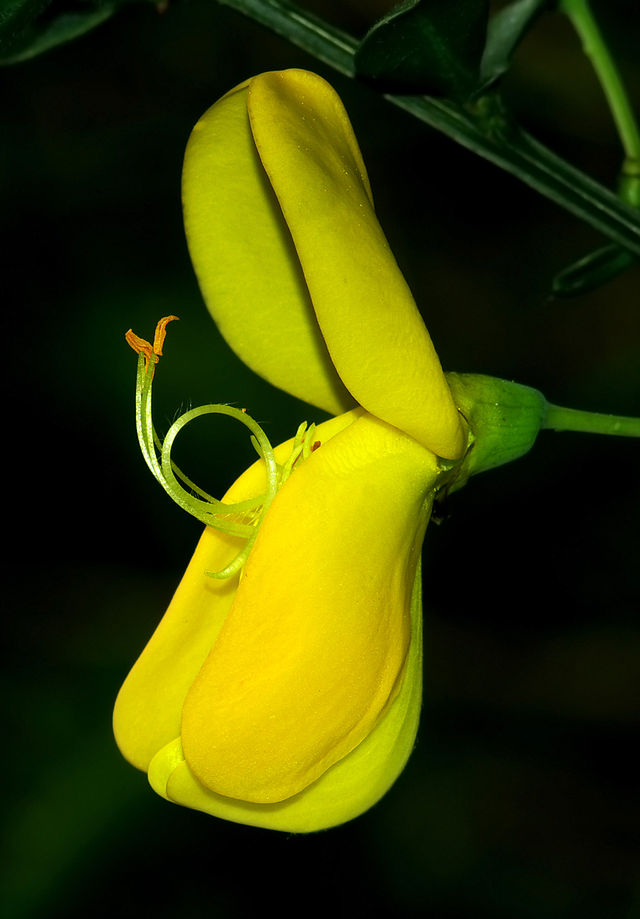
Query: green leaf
{"points": [[427, 46], [592, 271], [506, 30], [30, 27]]}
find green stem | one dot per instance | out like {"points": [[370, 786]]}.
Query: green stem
{"points": [[570, 419], [579, 12]]}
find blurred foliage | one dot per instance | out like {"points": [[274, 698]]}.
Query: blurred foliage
{"points": [[591, 271], [427, 47], [31, 27], [506, 29], [522, 797]]}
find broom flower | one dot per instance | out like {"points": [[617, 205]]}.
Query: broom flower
{"points": [[282, 688]]}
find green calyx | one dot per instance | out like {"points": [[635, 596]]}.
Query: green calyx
{"points": [[503, 419]]}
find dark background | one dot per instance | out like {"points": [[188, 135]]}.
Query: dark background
{"points": [[521, 800]]}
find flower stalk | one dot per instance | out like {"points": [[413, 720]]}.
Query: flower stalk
{"points": [[559, 418]]}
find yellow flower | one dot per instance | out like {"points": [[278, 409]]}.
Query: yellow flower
{"points": [[288, 695]]}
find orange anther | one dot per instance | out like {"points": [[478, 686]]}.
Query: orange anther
{"points": [[161, 331], [142, 346]]}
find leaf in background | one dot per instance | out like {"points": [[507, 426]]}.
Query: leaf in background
{"points": [[506, 30], [15, 15], [427, 46], [512, 149], [592, 271], [30, 27]]}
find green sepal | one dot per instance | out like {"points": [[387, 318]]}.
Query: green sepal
{"points": [[503, 418]]}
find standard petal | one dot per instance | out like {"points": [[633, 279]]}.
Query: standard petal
{"points": [[373, 330], [346, 790], [314, 649], [149, 705], [245, 261]]}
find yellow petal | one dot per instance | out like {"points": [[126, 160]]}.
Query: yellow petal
{"points": [[245, 261], [148, 708], [314, 649], [345, 791], [149, 705], [373, 330]]}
